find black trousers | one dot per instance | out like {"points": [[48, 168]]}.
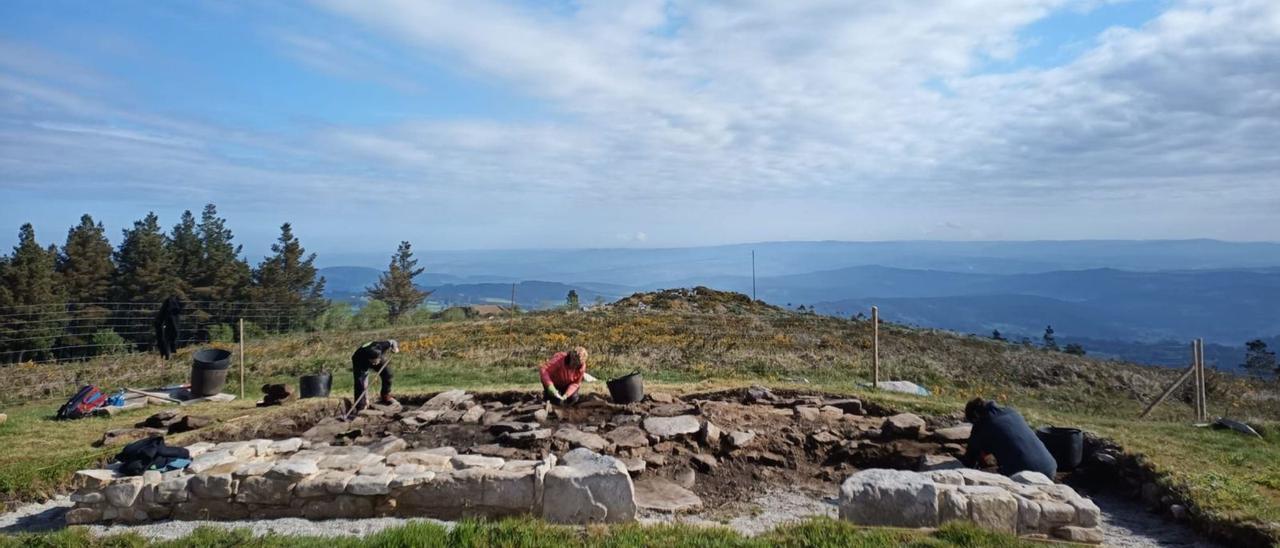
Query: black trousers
{"points": [[571, 400], [361, 373]]}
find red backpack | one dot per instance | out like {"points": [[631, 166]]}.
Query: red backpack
{"points": [[84, 402]]}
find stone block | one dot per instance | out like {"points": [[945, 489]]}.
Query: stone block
{"points": [[740, 440], [1087, 513], [952, 505], [172, 490], [903, 425], [95, 479], [945, 477], [954, 434], [293, 470], [992, 508], [1085, 535], [264, 490], [1053, 513], [590, 487], [212, 486], [670, 427], [452, 493], [938, 462], [370, 485], [710, 435], [388, 445], [445, 400], [399, 480], [376, 469], [252, 469], [124, 491], [577, 438], [332, 482], [808, 413], [348, 462], [1029, 477], [1028, 516], [510, 492], [463, 462], [214, 461], [894, 498], [87, 496], [83, 515], [628, 437], [339, 507], [426, 459], [830, 412], [473, 415], [210, 509], [281, 447]]}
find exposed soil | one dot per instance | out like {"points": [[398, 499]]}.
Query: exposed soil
{"points": [[799, 440]]}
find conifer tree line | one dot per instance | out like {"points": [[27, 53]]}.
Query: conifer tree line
{"points": [[86, 297]]}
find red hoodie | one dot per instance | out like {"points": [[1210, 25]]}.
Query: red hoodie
{"points": [[558, 372]]}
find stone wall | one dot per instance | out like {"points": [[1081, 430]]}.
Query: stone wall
{"points": [[291, 478], [1027, 503]]}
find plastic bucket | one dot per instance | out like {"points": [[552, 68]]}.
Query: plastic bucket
{"points": [[315, 385], [627, 388], [1065, 444], [209, 371]]}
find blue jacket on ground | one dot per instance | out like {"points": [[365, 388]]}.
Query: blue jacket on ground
{"points": [[1005, 434]]}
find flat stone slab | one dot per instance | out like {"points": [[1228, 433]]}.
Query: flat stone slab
{"points": [[662, 495], [669, 427]]}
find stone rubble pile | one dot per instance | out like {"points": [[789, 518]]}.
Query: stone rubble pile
{"points": [[292, 478], [1028, 503]]}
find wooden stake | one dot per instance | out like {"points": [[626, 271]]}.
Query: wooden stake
{"points": [[1203, 387], [875, 346], [1181, 379], [1195, 380], [242, 358]]}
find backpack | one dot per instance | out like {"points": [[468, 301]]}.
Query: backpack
{"points": [[84, 402]]}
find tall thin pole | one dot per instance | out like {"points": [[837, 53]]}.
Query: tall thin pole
{"points": [[753, 274], [241, 358], [875, 346], [513, 299], [1195, 379], [1204, 384]]}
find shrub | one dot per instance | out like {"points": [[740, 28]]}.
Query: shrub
{"points": [[109, 342], [222, 333], [373, 315]]}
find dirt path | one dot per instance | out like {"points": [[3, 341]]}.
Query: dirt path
{"points": [[1127, 524]]}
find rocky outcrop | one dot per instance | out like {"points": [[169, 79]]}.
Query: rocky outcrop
{"points": [[1026, 504], [292, 478]]}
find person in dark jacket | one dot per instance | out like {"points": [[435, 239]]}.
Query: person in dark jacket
{"points": [[1004, 434], [372, 356], [166, 326]]}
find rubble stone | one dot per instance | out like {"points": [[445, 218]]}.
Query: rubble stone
{"points": [[670, 427], [588, 488], [903, 425]]}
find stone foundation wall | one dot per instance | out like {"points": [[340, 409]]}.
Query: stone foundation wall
{"points": [[1027, 503], [290, 478]]}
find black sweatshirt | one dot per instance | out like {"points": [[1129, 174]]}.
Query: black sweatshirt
{"points": [[1005, 434], [373, 354]]}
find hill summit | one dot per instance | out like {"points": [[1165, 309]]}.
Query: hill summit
{"points": [[697, 299]]}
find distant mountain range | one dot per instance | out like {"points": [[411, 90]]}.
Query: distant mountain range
{"points": [[1140, 300]]}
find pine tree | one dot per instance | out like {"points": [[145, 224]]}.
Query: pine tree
{"points": [[32, 325], [1075, 349], [1259, 361], [571, 300], [287, 282], [144, 267], [1050, 343], [225, 276], [185, 252], [85, 270], [395, 286], [995, 335], [85, 263]]}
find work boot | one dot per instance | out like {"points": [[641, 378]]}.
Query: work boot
{"points": [[387, 400]]}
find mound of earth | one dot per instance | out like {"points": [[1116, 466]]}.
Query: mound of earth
{"points": [[698, 299]]}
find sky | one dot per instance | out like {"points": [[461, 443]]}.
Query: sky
{"points": [[480, 124]]}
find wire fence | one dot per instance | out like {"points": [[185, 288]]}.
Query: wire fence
{"points": [[69, 332]]}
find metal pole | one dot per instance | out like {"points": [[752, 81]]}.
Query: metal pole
{"points": [[875, 346], [753, 274], [242, 358], [513, 299]]}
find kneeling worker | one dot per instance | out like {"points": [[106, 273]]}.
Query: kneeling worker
{"points": [[1002, 432], [375, 356], [562, 376]]}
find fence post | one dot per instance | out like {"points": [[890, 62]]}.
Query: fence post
{"points": [[1204, 381], [875, 347], [242, 358]]}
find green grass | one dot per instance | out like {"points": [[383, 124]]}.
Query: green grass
{"points": [[529, 533], [1229, 476]]}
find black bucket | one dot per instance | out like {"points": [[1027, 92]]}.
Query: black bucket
{"points": [[315, 386], [627, 388], [1065, 444], [209, 371]]}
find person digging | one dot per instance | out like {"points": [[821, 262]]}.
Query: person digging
{"points": [[562, 376], [1004, 434], [373, 356]]}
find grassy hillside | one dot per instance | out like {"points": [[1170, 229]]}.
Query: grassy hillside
{"points": [[694, 341]]}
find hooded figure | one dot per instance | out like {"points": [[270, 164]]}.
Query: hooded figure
{"points": [[166, 326], [1002, 432], [373, 355]]}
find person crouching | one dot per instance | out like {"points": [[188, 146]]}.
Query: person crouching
{"points": [[375, 356], [562, 376]]}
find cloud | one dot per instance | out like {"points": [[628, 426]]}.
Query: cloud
{"points": [[882, 109]]}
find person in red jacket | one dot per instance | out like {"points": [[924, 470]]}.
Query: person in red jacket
{"points": [[562, 376]]}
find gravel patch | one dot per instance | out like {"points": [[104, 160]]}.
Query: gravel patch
{"points": [[1127, 524], [760, 515]]}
